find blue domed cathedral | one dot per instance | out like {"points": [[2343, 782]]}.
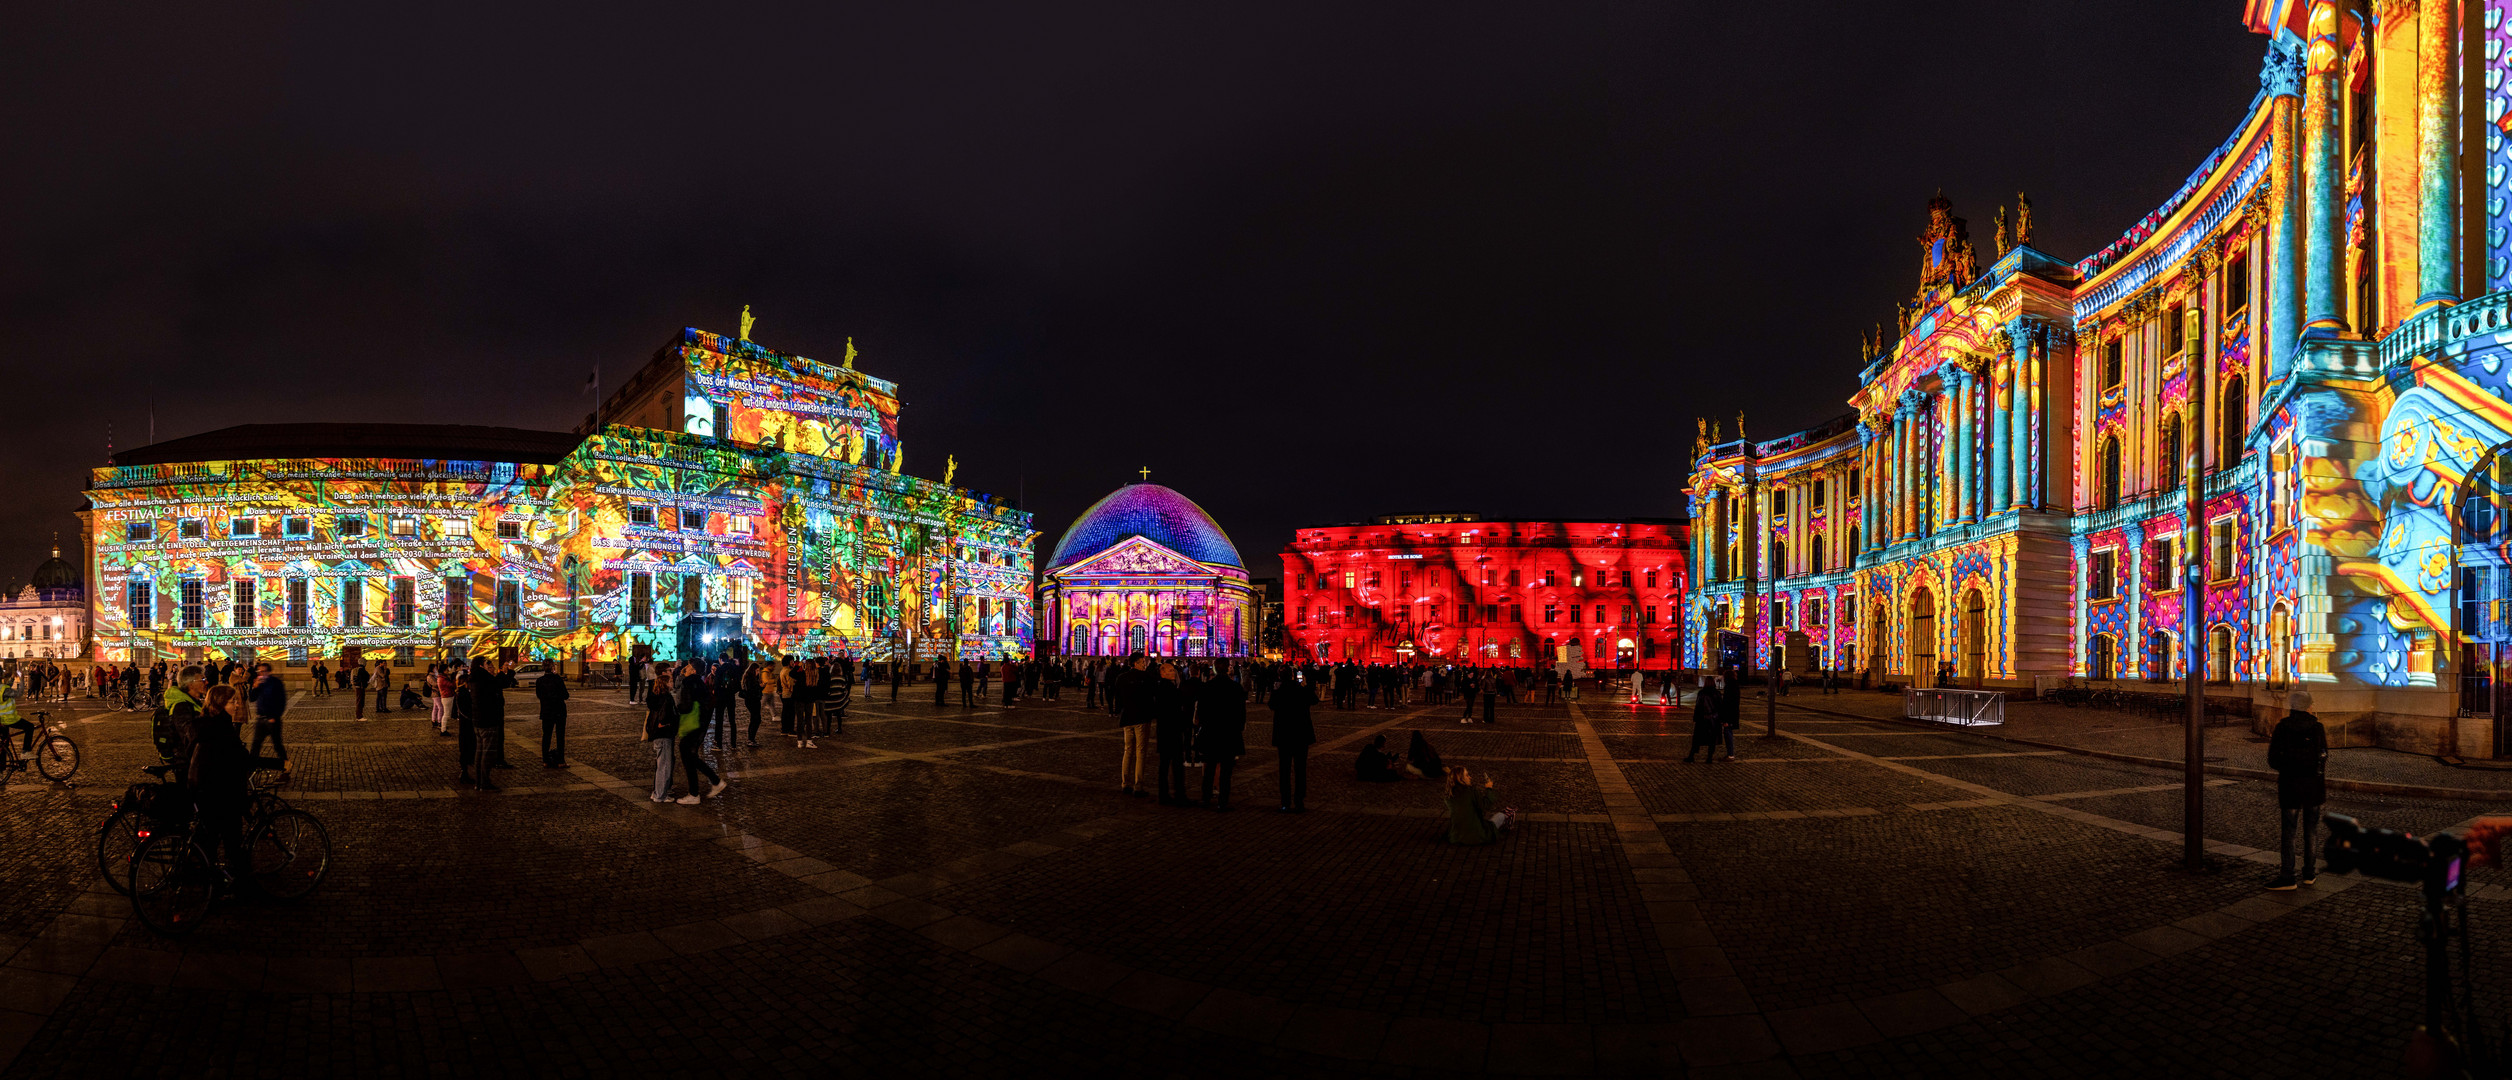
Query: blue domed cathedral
{"points": [[1145, 570]]}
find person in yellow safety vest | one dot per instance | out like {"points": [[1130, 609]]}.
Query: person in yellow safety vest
{"points": [[11, 721]]}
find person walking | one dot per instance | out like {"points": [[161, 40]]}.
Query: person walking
{"points": [[551, 690], [270, 701], [1709, 720], [662, 734], [2299, 752], [1220, 733], [1294, 731], [1132, 693], [358, 683]]}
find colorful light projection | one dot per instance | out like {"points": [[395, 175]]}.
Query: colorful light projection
{"points": [[1146, 569], [1605, 594], [777, 401]]}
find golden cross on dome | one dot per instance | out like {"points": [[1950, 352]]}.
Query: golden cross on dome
{"points": [[1146, 474]]}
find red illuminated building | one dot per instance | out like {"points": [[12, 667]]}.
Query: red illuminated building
{"points": [[1456, 588]]}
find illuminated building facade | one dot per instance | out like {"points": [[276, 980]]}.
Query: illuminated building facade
{"points": [[1146, 570], [46, 620], [1453, 588], [752, 498], [2264, 429]]}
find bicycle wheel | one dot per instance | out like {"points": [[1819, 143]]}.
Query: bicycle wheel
{"points": [[56, 757], [172, 884], [116, 843], [291, 852]]}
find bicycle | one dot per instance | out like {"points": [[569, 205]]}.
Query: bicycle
{"points": [[172, 879], [56, 755]]}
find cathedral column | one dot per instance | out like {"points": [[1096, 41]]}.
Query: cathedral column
{"points": [[2437, 216], [2280, 263], [2001, 418], [2018, 416], [1905, 488], [2323, 254], [1958, 384], [1866, 501]]}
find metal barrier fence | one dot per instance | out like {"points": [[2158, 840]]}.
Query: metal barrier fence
{"points": [[1965, 708]]}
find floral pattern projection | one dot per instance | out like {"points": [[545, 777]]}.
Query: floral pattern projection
{"points": [[614, 547]]}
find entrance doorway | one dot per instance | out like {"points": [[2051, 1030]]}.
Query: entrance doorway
{"points": [[2484, 593], [1922, 638], [1975, 638]]}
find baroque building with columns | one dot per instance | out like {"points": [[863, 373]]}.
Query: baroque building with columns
{"points": [[2262, 433]]}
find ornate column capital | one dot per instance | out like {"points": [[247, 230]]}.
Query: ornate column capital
{"points": [[2281, 71]]}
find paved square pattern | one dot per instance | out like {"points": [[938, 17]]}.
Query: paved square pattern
{"points": [[956, 891]]}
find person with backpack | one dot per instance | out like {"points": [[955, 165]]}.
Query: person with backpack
{"points": [[270, 701]]}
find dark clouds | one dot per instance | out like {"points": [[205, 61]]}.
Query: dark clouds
{"points": [[1307, 262]]}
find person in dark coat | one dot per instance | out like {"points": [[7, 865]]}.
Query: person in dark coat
{"points": [[1220, 733], [941, 682], [968, 684], [1173, 731], [1423, 760], [1376, 765], [1709, 719], [2299, 752], [551, 690], [485, 738], [1293, 733], [1131, 692]]}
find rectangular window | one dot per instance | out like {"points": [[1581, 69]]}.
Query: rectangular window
{"points": [[1303, 614], [1549, 580], [1600, 613], [723, 428], [140, 606], [510, 530], [296, 656], [737, 524], [1404, 581], [1817, 495], [243, 528], [193, 614], [1431, 615], [296, 527], [1347, 579], [693, 519], [692, 594], [1626, 614], [1373, 577], [2174, 322], [641, 515], [2111, 366], [2220, 545], [405, 606], [405, 656], [1574, 613], [1648, 615], [139, 530], [403, 526], [353, 601], [509, 604], [458, 600], [300, 613], [1552, 613], [1513, 577], [2102, 576], [2236, 288], [351, 526], [1652, 579], [1626, 579], [1347, 612], [1578, 579], [188, 529], [1491, 613], [2159, 564], [1303, 583], [640, 599], [458, 527], [240, 601]]}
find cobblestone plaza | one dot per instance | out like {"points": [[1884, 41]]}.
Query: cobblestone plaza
{"points": [[960, 891]]}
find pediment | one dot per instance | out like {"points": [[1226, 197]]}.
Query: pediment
{"points": [[1137, 555]]}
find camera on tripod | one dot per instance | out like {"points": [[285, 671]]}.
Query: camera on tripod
{"points": [[2439, 863]]}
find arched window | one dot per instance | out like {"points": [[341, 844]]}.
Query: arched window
{"points": [[2107, 494], [1854, 549], [2168, 452], [2104, 662], [1779, 559], [2233, 423], [2280, 644], [2220, 654], [2158, 655], [1814, 556]]}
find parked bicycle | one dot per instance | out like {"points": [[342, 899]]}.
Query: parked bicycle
{"points": [[56, 755], [173, 877], [134, 817]]}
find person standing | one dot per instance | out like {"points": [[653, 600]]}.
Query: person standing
{"points": [[1731, 709], [321, 678], [1011, 683], [968, 683], [898, 675], [1132, 694], [1293, 733], [551, 690], [383, 686], [753, 687], [662, 733], [488, 720], [1173, 724], [2299, 752], [358, 683], [270, 700], [941, 682], [1709, 720], [1220, 733]]}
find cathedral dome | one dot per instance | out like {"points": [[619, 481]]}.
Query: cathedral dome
{"points": [[55, 573], [1147, 510]]}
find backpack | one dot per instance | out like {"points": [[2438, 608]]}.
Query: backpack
{"points": [[170, 733]]}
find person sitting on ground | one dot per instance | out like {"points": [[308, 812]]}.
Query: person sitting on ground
{"points": [[1375, 765], [1422, 761], [1474, 816]]}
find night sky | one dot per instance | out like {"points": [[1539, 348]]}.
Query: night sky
{"points": [[1307, 262]]}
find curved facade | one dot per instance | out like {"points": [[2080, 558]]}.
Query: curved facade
{"points": [[2258, 436], [736, 496], [1146, 570]]}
